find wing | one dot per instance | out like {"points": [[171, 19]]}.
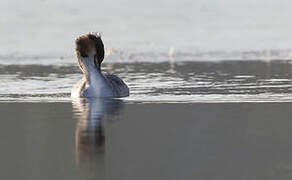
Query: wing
{"points": [[78, 88], [118, 86]]}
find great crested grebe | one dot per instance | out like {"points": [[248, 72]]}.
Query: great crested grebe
{"points": [[90, 54]]}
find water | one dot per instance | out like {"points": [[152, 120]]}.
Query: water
{"points": [[183, 120], [195, 29], [229, 81], [118, 140], [210, 85]]}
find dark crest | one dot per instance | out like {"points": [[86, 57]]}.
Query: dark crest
{"points": [[85, 43]]}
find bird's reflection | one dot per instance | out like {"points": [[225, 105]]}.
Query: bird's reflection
{"points": [[92, 115]]}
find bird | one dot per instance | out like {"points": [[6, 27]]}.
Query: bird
{"points": [[90, 54]]}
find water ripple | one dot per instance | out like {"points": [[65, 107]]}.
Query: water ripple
{"points": [[202, 82]]}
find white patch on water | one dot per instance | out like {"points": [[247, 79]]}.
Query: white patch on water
{"points": [[211, 98]]}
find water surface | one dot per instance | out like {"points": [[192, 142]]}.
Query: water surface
{"points": [[183, 120], [120, 140], [226, 81]]}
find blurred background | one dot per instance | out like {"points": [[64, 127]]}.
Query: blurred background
{"points": [[149, 30]]}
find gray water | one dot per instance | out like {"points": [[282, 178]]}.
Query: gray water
{"points": [[187, 120], [200, 82], [118, 140]]}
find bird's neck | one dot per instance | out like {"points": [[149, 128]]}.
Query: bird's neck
{"points": [[92, 71]]}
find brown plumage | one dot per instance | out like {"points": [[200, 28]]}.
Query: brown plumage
{"points": [[90, 54], [86, 43]]}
